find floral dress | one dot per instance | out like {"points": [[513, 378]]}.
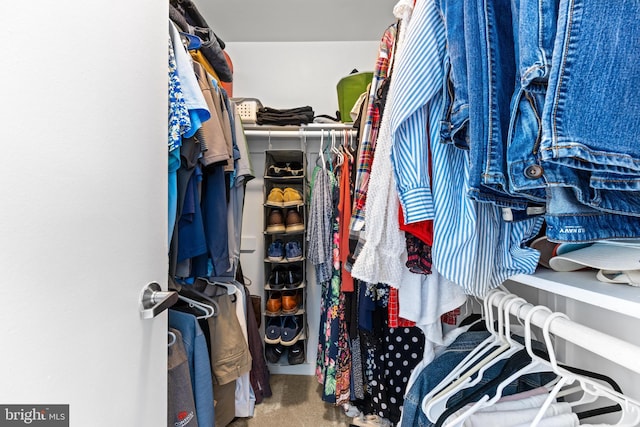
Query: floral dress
{"points": [[333, 365]]}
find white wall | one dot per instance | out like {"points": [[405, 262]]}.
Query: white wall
{"points": [[293, 74]]}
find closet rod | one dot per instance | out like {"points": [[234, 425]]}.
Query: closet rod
{"points": [[607, 346], [296, 134]]}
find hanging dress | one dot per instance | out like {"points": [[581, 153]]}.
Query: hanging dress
{"points": [[333, 364]]}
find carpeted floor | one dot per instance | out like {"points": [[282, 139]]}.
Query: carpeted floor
{"points": [[295, 402]]}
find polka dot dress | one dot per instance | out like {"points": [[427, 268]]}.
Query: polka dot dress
{"points": [[403, 349]]}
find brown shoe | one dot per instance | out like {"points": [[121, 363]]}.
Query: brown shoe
{"points": [[289, 302], [274, 304], [275, 222], [293, 221]]}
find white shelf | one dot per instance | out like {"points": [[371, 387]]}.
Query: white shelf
{"points": [[294, 128], [583, 286]]}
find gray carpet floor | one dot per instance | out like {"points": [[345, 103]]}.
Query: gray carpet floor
{"points": [[295, 402]]}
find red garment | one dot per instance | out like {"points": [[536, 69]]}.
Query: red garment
{"points": [[451, 318], [344, 209], [228, 86], [423, 230], [393, 309]]}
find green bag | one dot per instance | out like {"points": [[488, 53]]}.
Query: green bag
{"points": [[349, 90]]}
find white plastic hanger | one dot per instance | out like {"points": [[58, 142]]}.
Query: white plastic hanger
{"points": [[630, 408], [321, 151], [537, 364], [334, 149], [433, 408], [508, 347], [208, 310], [172, 339], [345, 146], [231, 289]]}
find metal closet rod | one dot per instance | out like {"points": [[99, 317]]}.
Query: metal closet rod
{"points": [[607, 346]]}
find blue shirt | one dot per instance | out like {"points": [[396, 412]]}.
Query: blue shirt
{"points": [[472, 245], [416, 108], [191, 237], [193, 97]]}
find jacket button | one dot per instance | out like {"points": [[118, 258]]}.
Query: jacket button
{"points": [[533, 171]]}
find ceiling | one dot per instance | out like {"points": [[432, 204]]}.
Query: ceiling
{"points": [[297, 20]]}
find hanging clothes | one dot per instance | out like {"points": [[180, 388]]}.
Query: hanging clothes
{"points": [[179, 124], [195, 345], [344, 208], [181, 404], [333, 359], [320, 224]]}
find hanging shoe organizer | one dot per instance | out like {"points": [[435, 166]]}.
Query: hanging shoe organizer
{"points": [[285, 219]]}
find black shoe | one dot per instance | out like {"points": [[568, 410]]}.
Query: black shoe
{"points": [[277, 278], [273, 352], [278, 169], [294, 169], [295, 355], [292, 277]]}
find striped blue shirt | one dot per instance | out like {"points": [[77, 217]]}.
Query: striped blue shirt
{"points": [[418, 76], [472, 245]]}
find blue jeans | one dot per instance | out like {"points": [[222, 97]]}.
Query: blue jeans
{"points": [[491, 70], [455, 92], [534, 30], [438, 369], [590, 122]]}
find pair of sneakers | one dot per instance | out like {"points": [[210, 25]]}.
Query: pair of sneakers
{"points": [[280, 169], [279, 251], [295, 353], [284, 197], [285, 330], [289, 277]]}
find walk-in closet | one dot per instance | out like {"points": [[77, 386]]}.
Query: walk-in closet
{"points": [[391, 213]]}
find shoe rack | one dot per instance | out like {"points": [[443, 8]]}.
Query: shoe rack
{"points": [[285, 289]]}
